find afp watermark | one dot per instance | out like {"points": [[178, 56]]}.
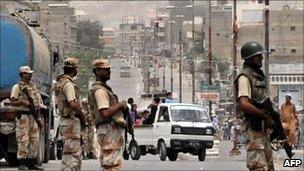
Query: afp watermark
{"points": [[292, 162]]}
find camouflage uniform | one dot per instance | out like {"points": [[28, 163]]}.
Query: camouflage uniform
{"points": [[110, 136], [259, 152], [27, 130], [70, 127], [88, 134]]}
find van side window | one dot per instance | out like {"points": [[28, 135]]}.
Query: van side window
{"points": [[163, 115]]}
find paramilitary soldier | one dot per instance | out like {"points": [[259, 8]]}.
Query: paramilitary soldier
{"points": [[27, 130], [252, 85], [72, 119], [108, 117], [88, 148]]}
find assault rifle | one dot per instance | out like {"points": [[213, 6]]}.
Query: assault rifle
{"points": [[277, 128], [33, 110], [129, 129]]}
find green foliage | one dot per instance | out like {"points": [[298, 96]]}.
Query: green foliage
{"points": [[84, 69], [88, 34]]}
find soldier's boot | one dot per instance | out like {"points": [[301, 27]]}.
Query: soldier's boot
{"points": [[32, 164], [91, 155], [22, 164]]}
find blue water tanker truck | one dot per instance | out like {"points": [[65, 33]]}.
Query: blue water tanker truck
{"points": [[20, 45]]}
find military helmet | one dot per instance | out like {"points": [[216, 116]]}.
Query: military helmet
{"points": [[251, 49]]}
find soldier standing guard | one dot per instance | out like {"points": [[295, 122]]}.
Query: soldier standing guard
{"points": [[27, 130], [88, 148], [72, 119], [108, 117], [251, 84]]}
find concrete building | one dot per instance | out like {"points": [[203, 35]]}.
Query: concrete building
{"points": [[108, 37], [58, 23]]}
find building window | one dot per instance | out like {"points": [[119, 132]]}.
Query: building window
{"points": [[277, 79], [293, 50], [298, 79], [285, 78], [281, 79], [289, 79], [294, 79], [302, 78], [272, 50], [273, 79], [293, 28]]}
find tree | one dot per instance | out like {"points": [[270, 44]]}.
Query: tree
{"points": [[84, 69], [88, 34]]}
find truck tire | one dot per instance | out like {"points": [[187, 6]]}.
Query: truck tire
{"points": [[134, 150], [162, 151], [201, 154], [53, 151], [172, 155], [12, 159]]}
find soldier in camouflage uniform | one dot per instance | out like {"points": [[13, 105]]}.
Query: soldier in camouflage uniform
{"points": [[251, 84], [108, 117], [72, 118], [27, 130], [88, 148]]}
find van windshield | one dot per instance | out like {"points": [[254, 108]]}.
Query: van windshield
{"points": [[189, 114]]}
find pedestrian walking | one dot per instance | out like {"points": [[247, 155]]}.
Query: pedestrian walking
{"points": [[251, 84], [29, 123], [289, 119], [108, 117], [72, 118]]}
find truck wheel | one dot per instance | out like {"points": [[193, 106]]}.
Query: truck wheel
{"points": [[162, 151], [202, 154], [134, 150], [53, 151], [172, 155], [12, 159]]}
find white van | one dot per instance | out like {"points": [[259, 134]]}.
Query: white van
{"points": [[177, 127]]}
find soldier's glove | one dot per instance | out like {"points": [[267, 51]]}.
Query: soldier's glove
{"points": [[120, 122]]}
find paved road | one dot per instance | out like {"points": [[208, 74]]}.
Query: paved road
{"points": [[184, 162]]}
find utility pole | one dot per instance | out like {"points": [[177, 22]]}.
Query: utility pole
{"points": [[180, 57], [171, 54], [193, 68], [210, 58], [235, 150], [267, 41], [164, 58]]}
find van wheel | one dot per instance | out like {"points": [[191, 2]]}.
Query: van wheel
{"points": [[172, 155], [202, 154], [162, 151], [134, 150]]}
